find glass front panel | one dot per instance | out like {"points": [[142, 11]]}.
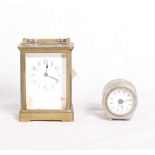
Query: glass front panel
{"points": [[45, 81]]}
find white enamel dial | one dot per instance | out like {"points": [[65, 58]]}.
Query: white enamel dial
{"points": [[120, 101], [45, 80]]}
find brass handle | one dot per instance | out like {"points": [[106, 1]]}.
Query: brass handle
{"points": [[46, 41]]}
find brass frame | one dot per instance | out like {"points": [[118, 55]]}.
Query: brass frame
{"points": [[61, 115]]}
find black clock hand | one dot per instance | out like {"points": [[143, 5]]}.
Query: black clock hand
{"points": [[46, 68], [53, 78], [46, 74]]}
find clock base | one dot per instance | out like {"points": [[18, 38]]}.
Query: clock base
{"points": [[46, 115]]}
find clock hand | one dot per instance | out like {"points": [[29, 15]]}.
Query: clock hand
{"points": [[127, 100], [46, 74], [46, 67], [53, 78], [120, 101]]}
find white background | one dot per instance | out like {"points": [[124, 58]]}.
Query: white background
{"points": [[113, 39]]}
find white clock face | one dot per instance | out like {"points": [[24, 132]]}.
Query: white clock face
{"points": [[120, 101], [45, 80]]}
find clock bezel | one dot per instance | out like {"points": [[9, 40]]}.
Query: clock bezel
{"points": [[133, 106]]}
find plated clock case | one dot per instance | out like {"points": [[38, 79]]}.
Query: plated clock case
{"points": [[46, 79], [119, 99]]}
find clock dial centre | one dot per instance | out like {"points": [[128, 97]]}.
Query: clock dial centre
{"points": [[120, 101], [45, 74]]}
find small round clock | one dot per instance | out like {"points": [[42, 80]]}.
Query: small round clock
{"points": [[119, 99]]}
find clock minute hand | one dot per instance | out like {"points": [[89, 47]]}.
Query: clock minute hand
{"points": [[127, 100], [53, 78]]}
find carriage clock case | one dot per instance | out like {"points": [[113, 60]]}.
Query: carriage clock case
{"points": [[46, 79]]}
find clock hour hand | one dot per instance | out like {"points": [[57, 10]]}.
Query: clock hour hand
{"points": [[46, 68], [46, 74]]}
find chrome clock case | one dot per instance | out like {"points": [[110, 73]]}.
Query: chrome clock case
{"points": [[109, 88]]}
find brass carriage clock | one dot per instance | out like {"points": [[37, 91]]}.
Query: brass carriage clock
{"points": [[46, 79]]}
